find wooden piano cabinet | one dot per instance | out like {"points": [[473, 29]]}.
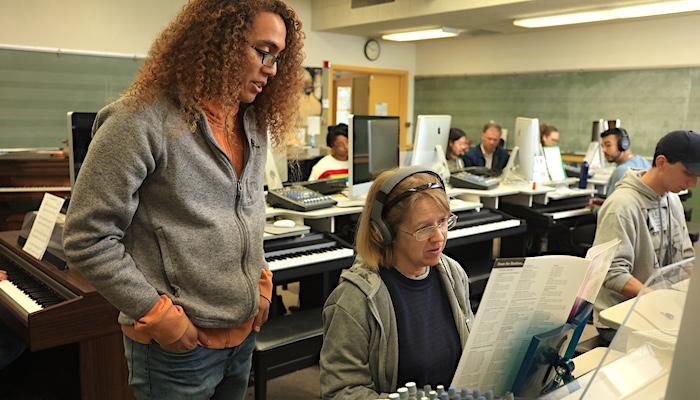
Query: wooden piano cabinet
{"points": [[21, 172], [103, 370]]}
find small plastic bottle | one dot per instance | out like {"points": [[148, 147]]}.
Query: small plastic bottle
{"points": [[583, 180]]}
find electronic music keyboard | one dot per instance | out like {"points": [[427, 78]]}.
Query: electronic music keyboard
{"points": [[486, 223], [308, 254]]}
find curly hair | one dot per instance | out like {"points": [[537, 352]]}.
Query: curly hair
{"points": [[201, 54]]}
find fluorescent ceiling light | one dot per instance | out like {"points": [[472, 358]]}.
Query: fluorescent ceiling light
{"points": [[422, 35], [647, 10]]}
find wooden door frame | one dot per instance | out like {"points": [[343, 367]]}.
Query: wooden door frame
{"points": [[403, 94]]}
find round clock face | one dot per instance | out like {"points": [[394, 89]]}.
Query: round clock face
{"points": [[372, 49]]}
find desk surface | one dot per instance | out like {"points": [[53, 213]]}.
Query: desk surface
{"points": [[660, 309]]}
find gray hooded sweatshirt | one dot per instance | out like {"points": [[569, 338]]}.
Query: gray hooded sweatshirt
{"points": [[652, 231]]}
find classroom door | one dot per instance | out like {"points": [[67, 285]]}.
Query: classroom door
{"points": [[374, 92]]}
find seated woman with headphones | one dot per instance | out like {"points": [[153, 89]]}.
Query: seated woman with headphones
{"points": [[400, 292]]}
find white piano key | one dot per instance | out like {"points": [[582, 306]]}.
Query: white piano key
{"points": [[310, 259], [483, 228], [21, 298], [569, 213]]}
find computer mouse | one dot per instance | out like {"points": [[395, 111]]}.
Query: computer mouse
{"points": [[284, 223]]}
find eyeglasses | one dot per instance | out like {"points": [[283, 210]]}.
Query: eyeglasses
{"points": [[429, 231], [268, 59]]}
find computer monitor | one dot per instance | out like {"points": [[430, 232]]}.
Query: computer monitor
{"points": [[273, 179], [79, 137], [527, 140], [431, 141], [597, 161], [373, 147]]}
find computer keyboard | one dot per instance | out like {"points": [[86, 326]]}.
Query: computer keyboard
{"points": [[483, 171], [351, 203], [466, 180]]}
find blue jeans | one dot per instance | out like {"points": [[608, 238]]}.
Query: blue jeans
{"points": [[201, 373]]}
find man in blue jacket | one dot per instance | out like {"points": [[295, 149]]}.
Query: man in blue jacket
{"points": [[489, 153]]}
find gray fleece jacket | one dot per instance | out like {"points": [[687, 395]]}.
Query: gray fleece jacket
{"points": [[359, 358], [158, 209], [649, 226]]}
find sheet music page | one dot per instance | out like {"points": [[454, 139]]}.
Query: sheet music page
{"points": [[42, 228], [523, 297], [600, 256], [555, 166]]}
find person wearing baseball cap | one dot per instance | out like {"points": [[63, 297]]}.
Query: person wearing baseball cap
{"points": [[646, 214]]}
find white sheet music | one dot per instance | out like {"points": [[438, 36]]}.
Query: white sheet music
{"points": [[41, 231], [523, 297]]}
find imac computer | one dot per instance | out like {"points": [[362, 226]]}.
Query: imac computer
{"points": [[527, 139], [431, 141], [373, 147], [79, 137]]}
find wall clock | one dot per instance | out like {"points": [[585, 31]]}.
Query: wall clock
{"points": [[372, 49]]}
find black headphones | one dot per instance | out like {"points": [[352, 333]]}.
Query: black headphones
{"points": [[623, 139], [377, 215]]}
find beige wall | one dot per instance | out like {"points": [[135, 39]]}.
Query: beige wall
{"points": [[129, 26], [656, 43]]}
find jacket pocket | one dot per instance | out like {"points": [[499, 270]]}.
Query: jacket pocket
{"points": [[166, 259]]}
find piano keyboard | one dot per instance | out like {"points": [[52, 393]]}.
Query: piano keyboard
{"points": [[27, 292], [18, 296], [483, 228], [568, 213], [28, 189], [308, 257]]}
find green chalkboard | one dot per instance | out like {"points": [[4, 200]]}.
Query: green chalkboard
{"points": [[649, 103], [38, 89]]}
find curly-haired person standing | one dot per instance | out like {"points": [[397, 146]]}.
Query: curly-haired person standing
{"points": [[167, 216]]}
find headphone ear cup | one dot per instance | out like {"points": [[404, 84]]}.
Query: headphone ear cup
{"points": [[383, 231], [624, 143]]}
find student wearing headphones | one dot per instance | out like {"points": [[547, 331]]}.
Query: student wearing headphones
{"points": [[400, 291], [617, 149], [646, 215], [334, 165]]}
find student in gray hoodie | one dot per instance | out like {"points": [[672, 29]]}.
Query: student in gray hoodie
{"points": [[646, 214], [167, 215], [402, 312]]}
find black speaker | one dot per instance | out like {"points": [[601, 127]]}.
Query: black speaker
{"points": [[377, 215]]}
